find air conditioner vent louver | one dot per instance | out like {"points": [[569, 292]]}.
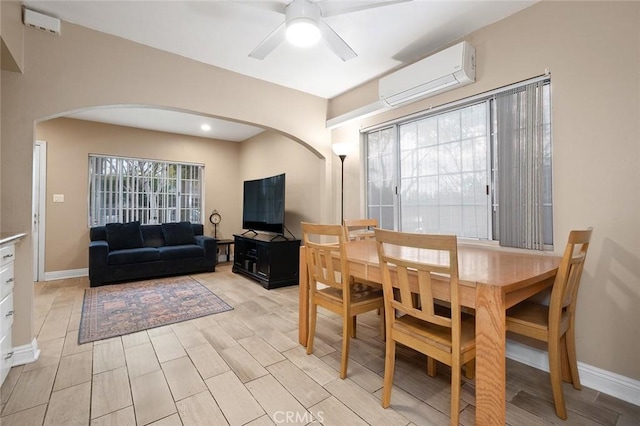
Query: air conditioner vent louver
{"points": [[443, 71]]}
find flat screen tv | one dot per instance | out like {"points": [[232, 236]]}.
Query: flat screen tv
{"points": [[263, 204]]}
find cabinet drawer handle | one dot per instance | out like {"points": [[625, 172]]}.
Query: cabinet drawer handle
{"points": [[7, 256], [9, 355], [10, 313], [9, 281]]}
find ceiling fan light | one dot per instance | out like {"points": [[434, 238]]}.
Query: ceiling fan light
{"points": [[302, 32]]}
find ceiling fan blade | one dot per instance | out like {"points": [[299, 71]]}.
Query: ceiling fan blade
{"points": [[332, 8], [272, 41], [273, 6], [335, 42]]}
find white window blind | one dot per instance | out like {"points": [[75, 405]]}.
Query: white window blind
{"points": [[129, 189]]}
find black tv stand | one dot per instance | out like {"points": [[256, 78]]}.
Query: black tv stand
{"points": [[249, 230], [272, 261]]}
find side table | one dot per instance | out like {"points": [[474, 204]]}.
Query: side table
{"points": [[227, 245]]}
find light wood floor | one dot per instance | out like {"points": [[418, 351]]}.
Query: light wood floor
{"points": [[246, 367]]}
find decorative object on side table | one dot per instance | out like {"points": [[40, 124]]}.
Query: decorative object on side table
{"points": [[215, 219]]}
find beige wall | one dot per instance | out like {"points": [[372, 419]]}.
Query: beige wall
{"points": [[11, 50], [82, 68], [270, 154], [69, 143], [593, 52]]}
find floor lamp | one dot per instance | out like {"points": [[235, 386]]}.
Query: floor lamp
{"points": [[341, 150]]}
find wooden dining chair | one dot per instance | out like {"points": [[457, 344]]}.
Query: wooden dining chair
{"points": [[555, 324], [445, 338], [359, 229], [331, 286]]}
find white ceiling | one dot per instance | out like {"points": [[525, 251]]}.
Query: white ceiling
{"points": [[224, 32], [164, 120]]}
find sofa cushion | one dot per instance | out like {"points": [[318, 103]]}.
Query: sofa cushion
{"points": [[180, 252], [136, 255], [152, 235], [98, 233], [178, 234], [124, 235]]}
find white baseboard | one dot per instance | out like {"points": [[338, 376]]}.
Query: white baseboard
{"points": [[613, 384], [84, 272], [70, 273], [25, 354]]}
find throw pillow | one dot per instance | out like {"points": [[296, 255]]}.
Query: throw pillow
{"points": [[178, 234], [122, 236]]}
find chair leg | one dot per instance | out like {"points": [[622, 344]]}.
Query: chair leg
{"points": [[383, 330], [570, 342], [555, 370], [312, 328], [470, 369], [455, 393], [389, 366], [353, 327], [431, 367], [564, 361], [347, 324]]}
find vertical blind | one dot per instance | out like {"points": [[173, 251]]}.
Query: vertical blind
{"points": [[129, 189], [520, 137]]}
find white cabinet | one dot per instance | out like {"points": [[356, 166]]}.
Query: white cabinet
{"points": [[6, 280], [7, 255]]}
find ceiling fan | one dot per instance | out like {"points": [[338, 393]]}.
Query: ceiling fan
{"points": [[304, 23]]}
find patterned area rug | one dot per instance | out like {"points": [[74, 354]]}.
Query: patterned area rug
{"points": [[115, 310]]}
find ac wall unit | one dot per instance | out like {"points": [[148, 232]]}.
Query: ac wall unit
{"points": [[450, 68], [41, 21]]}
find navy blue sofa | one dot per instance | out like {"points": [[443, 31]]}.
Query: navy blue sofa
{"points": [[129, 251]]}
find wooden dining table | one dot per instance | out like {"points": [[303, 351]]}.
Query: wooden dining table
{"points": [[491, 281]]}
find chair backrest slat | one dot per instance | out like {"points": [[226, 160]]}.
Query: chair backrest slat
{"points": [[323, 267], [325, 259], [426, 295], [397, 269], [565, 288]]}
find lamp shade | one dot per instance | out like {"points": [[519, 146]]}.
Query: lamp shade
{"points": [[341, 148]]}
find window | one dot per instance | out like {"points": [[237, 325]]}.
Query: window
{"points": [[480, 170], [128, 189], [381, 160]]}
